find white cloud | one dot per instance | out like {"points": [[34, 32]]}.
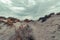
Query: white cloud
{"points": [[42, 1], [31, 3], [17, 9], [55, 10], [50, 0], [27, 17], [52, 7], [6, 1], [58, 3]]}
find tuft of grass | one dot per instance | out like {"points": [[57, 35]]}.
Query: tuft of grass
{"points": [[0, 27]]}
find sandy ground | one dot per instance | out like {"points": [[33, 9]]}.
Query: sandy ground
{"points": [[48, 30]]}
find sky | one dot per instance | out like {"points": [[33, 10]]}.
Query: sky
{"points": [[28, 9]]}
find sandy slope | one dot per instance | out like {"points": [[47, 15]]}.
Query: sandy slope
{"points": [[48, 30], [37, 30]]}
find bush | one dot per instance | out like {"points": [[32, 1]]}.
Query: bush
{"points": [[58, 13]]}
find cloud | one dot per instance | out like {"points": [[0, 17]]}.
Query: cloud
{"points": [[42, 1], [17, 9], [28, 17], [31, 3], [30, 9], [54, 8], [6, 1]]}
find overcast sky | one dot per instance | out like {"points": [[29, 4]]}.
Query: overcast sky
{"points": [[30, 9]]}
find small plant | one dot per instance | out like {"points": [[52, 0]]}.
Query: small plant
{"points": [[58, 13], [58, 28], [0, 27], [53, 36]]}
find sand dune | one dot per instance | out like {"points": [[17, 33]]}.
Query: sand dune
{"points": [[46, 28]]}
